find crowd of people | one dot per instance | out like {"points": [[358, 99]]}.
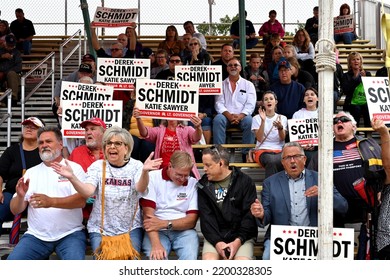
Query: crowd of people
{"points": [[141, 179]]}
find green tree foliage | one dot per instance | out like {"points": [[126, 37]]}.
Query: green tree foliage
{"points": [[217, 29]]}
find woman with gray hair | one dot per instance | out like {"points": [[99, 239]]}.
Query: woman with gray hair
{"points": [[125, 180]]}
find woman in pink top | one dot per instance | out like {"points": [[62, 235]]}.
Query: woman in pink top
{"points": [[170, 136]]}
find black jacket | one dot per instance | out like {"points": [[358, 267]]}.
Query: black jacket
{"points": [[235, 220]]}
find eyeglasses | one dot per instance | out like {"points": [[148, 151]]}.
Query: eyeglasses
{"points": [[115, 49], [193, 44], [180, 176], [342, 119], [234, 65], [175, 61], [295, 157], [117, 144]]}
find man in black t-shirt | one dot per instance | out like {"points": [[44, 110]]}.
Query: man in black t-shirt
{"points": [[24, 31]]}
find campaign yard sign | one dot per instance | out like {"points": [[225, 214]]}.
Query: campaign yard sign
{"points": [[303, 131], [38, 73], [121, 73], [80, 102], [301, 243], [111, 17], [208, 76], [163, 99], [378, 97], [343, 24]]}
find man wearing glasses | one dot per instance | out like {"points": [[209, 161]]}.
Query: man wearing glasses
{"points": [[235, 107], [170, 211], [169, 74], [290, 197], [117, 49], [224, 199], [161, 60]]}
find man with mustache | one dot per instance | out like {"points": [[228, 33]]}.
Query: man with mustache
{"points": [[290, 197], [54, 207]]}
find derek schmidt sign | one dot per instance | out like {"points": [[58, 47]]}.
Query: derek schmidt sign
{"points": [[378, 97], [162, 99], [121, 73], [301, 243], [110, 17]]}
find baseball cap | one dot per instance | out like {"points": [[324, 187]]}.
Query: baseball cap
{"points": [[10, 40], [84, 67], [94, 121], [88, 57], [284, 63], [33, 120]]}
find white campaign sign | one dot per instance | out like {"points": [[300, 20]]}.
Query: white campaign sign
{"points": [[208, 76], [378, 97], [121, 73], [301, 243], [164, 99], [111, 17], [303, 131], [76, 111]]}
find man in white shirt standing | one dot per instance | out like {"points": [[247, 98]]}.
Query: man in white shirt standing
{"points": [[54, 207], [235, 106]]}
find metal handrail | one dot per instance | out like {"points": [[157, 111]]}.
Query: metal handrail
{"points": [[23, 81], [78, 46], [8, 115]]}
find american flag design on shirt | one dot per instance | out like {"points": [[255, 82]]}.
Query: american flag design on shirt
{"points": [[341, 156]]}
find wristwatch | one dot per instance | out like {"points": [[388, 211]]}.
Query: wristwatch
{"points": [[169, 227]]}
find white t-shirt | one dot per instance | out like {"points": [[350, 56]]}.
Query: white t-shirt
{"points": [[120, 197], [272, 142], [52, 224], [305, 114], [172, 202]]}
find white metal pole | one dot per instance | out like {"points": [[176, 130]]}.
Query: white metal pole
{"points": [[326, 65]]}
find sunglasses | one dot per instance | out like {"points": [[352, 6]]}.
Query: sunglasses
{"points": [[115, 49], [175, 61], [342, 119], [214, 149], [193, 44], [233, 65]]}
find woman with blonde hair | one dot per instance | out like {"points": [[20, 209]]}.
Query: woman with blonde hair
{"points": [[352, 87], [198, 56]]}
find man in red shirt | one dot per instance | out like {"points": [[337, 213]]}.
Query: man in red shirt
{"points": [[86, 154]]}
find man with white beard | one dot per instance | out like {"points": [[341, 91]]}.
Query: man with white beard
{"points": [[54, 207], [235, 106]]}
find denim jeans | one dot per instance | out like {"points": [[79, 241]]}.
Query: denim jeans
{"points": [[70, 247], [5, 211], [250, 43], [185, 243], [267, 250], [136, 236], [347, 38], [221, 123]]}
